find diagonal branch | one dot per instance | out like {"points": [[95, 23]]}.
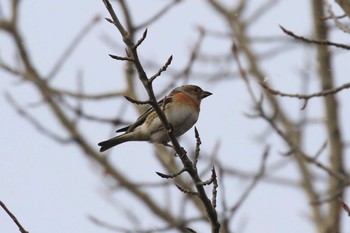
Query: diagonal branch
{"points": [[72, 46], [116, 57], [157, 15], [312, 41], [188, 165], [63, 118], [253, 184], [13, 217], [161, 70], [37, 125]]}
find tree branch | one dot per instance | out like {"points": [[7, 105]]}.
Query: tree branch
{"points": [[312, 41], [188, 165], [13, 217]]}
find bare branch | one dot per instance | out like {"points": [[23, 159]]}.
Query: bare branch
{"points": [[109, 20], [10, 69], [72, 46], [261, 11], [345, 206], [65, 121], [144, 35], [186, 190], [80, 113], [13, 217], [305, 97], [345, 5], [322, 148], [194, 55], [339, 24], [37, 125], [254, 182], [328, 199], [165, 176], [86, 96], [137, 101], [242, 72], [331, 17], [115, 20], [115, 228], [339, 176], [318, 42], [198, 143], [157, 15], [161, 70], [121, 58], [215, 187]]}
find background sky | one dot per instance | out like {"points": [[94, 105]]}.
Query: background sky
{"points": [[53, 188]]}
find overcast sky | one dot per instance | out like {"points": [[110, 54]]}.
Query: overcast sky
{"points": [[53, 188]]}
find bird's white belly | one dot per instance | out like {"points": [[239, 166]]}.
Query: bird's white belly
{"points": [[181, 122]]}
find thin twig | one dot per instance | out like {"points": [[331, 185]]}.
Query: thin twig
{"points": [[193, 56], [86, 96], [37, 124], [80, 113], [144, 35], [345, 206], [303, 96], [165, 176], [242, 71], [115, 228], [157, 15], [13, 217], [331, 17], [336, 20], [10, 69], [215, 188], [137, 101], [261, 11], [253, 184], [115, 19], [116, 57], [187, 191], [318, 42], [328, 199], [198, 143], [322, 148], [72, 46], [161, 70]]}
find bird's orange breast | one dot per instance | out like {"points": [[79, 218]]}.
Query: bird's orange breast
{"points": [[182, 98]]}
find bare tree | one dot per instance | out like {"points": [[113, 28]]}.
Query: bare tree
{"points": [[207, 190]]}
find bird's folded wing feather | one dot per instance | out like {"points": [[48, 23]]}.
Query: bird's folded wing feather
{"points": [[144, 115]]}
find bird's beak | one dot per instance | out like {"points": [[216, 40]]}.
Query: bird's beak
{"points": [[205, 94]]}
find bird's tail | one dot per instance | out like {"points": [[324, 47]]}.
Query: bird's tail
{"points": [[108, 144], [131, 136]]}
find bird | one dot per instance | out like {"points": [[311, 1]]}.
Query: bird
{"points": [[181, 109]]}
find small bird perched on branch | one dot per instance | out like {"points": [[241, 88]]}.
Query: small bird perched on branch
{"points": [[181, 108]]}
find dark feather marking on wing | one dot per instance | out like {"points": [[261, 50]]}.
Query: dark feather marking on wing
{"points": [[123, 129], [143, 116]]}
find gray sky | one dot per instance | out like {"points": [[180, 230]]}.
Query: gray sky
{"points": [[54, 188]]}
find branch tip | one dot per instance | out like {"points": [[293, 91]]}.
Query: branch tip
{"points": [[116, 57], [186, 190], [136, 101]]}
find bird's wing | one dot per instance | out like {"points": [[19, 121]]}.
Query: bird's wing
{"points": [[144, 115]]}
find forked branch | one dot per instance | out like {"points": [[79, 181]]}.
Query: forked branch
{"points": [[147, 83]]}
